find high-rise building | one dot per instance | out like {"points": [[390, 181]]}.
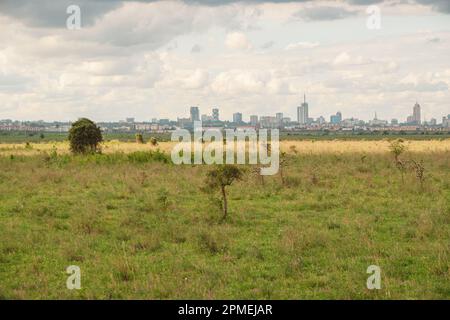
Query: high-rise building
{"points": [[268, 122], [303, 112], [237, 117], [195, 114], [254, 120], [279, 116], [206, 118], [416, 113], [215, 114], [337, 118]]}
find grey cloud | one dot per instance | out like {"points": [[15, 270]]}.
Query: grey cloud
{"points": [[438, 5], [196, 48], [434, 40], [324, 13], [268, 45], [51, 13]]}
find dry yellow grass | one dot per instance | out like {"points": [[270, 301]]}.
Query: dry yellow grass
{"points": [[302, 147]]}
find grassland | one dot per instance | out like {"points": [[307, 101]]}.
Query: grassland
{"points": [[140, 227]]}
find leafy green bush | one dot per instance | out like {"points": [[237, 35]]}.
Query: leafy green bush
{"points": [[84, 136]]}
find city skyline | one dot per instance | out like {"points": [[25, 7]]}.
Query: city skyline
{"points": [[277, 121]]}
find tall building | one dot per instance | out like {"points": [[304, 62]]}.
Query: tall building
{"points": [[279, 116], [268, 122], [303, 112], [416, 113], [337, 118], [206, 118], [195, 114], [446, 121], [254, 120], [237, 117], [215, 114]]}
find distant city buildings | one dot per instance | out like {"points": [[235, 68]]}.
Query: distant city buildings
{"points": [[416, 113], [237, 117], [195, 114], [215, 114], [303, 112], [277, 121], [254, 120], [446, 121], [336, 119]]}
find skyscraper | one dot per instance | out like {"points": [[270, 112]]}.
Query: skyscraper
{"points": [[337, 118], [195, 114], [303, 112], [237, 117], [416, 113], [215, 114], [253, 120]]}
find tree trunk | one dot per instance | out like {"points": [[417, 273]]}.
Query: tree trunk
{"points": [[281, 175], [225, 204]]}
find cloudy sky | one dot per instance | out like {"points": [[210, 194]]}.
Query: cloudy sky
{"points": [[149, 59]]}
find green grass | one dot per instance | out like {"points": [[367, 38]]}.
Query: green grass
{"points": [[141, 228], [35, 137]]}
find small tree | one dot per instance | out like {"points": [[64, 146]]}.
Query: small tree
{"points": [[153, 141], [139, 138], [419, 169], [84, 136], [397, 148], [221, 177]]}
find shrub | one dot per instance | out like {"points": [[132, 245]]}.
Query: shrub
{"points": [[153, 141], [139, 138], [397, 148], [84, 136]]}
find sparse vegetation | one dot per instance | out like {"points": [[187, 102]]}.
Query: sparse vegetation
{"points": [[139, 228]]}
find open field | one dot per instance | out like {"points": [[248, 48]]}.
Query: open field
{"points": [[19, 137], [303, 147], [141, 227]]}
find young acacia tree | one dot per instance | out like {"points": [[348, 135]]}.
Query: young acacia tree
{"points": [[397, 148], [84, 136], [219, 178]]}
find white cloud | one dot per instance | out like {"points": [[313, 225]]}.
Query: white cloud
{"points": [[301, 45], [238, 41], [342, 58]]}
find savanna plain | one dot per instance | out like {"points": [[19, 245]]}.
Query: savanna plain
{"points": [[140, 227]]}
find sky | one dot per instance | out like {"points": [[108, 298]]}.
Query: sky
{"points": [[155, 59]]}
